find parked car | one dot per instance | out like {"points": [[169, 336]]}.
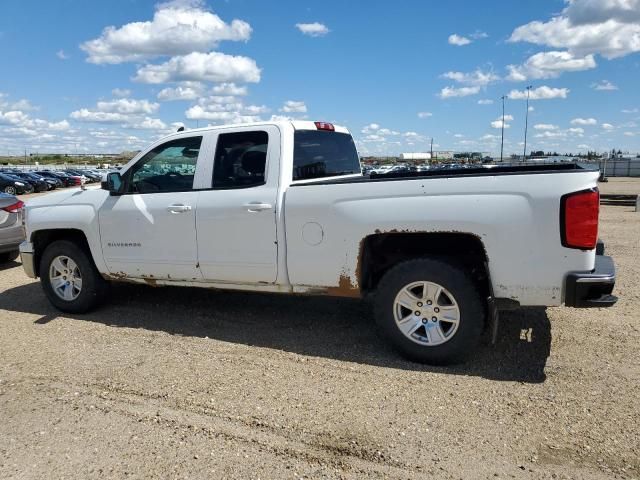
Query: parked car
{"points": [[282, 207], [11, 229], [39, 184], [65, 179], [12, 186], [59, 182]]}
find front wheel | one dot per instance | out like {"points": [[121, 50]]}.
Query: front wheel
{"points": [[10, 190], [430, 310], [70, 279]]}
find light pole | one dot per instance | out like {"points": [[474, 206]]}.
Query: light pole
{"points": [[526, 124], [502, 136]]}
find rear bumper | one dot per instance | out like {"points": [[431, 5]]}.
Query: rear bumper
{"points": [[592, 289], [28, 259]]}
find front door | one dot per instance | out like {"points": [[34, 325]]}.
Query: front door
{"points": [[236, 218], [149, 231]]}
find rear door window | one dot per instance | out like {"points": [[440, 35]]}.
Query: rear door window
{"points": [[241, 160]]}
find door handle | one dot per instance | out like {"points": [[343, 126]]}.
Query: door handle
{"points": [[179, 208], [257, 206]]}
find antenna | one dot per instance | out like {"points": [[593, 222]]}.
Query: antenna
{"points": [[181, 129], [502, 137]]}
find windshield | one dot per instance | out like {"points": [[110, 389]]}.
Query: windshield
{"points": [[320, 153]]}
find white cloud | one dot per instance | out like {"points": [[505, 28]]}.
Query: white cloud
{"points": [[549, 65], [540, 93], [292, 106], [610, 28], [371, 128], [23, 104], [604, 85], [498, 123], [86, 115], [225, 109], [211, 67], [185, 91], [115, 111], [475, 78], [458, 40], [584, 121], [629, 134], [576, 131], [121, 92], [451, 92], [229, 89], [148, 123], [630, 110], [314, 29], [485, 101], [424, 114], [62, 55], [545, 126], [127, 106], [177, 28], [607, 126]]}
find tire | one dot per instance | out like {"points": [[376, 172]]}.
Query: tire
{"points": [[433, 336], [7, 257], [10, 190], [93, 288]]}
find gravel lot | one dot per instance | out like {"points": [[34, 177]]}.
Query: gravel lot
{"points": [[187, 383]]}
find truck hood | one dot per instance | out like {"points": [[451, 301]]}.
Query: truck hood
{"points": [[72, 195]]}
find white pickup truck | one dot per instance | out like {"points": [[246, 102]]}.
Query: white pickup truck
{"points": [[283, 207]]}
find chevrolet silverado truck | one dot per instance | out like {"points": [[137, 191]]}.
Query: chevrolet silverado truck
{"points": [[283, 207]]}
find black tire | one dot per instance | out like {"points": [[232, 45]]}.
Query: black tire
{"points": [[458, 283], [94, 287], [7, 257], [10, 190]]}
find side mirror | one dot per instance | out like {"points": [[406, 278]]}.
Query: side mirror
{"points": [[113, 183]]}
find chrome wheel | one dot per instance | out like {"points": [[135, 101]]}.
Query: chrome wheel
{"points": [[65, 278], [10, 190], [426, 313]]}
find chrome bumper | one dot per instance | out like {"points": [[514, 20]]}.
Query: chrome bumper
{"points": [[27, 256]]}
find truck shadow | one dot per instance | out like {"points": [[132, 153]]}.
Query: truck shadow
{"points": [[333, 328]]}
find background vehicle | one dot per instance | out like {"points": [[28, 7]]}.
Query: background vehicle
{"points": [[283, 207], [39, 183], [65, 180], [11, 185], [11, 229]]}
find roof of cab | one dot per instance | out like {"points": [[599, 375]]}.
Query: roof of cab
{"points": [[297, 125]]}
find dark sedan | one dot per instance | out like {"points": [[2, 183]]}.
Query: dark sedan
{"points": [[12, 186], [39, 183]]}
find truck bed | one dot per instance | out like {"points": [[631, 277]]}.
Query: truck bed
{"points": [[474, 171]]}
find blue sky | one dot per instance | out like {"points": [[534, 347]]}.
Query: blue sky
{"points": [[111, 76]]}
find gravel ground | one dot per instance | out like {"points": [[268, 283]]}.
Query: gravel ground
{"points": [[187, 383]]}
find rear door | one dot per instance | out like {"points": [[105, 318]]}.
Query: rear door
{"points": [[150, 231], [236, 217]]}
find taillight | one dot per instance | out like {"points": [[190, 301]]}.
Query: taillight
{"points": [[579, 219], [15, 207], [325, 126]]}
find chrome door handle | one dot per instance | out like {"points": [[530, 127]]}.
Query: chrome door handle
{"points": [[179, 208], [257, 206]]}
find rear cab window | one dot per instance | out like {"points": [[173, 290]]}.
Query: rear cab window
{"points": [[322, 153]]}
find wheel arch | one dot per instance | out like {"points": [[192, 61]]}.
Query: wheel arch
{"points": [[41, 239], [381, 251]]}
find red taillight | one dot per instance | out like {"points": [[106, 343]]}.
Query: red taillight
{"points": [[325, 126], [579, 219], [14, 208]]}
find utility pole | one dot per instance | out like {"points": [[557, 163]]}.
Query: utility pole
{"points": [[431, 155], [502, 136], [526, 124]]}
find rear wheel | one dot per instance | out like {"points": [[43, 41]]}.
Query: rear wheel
{"points": [[10, 190], [70, 279], [430, 310]]}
